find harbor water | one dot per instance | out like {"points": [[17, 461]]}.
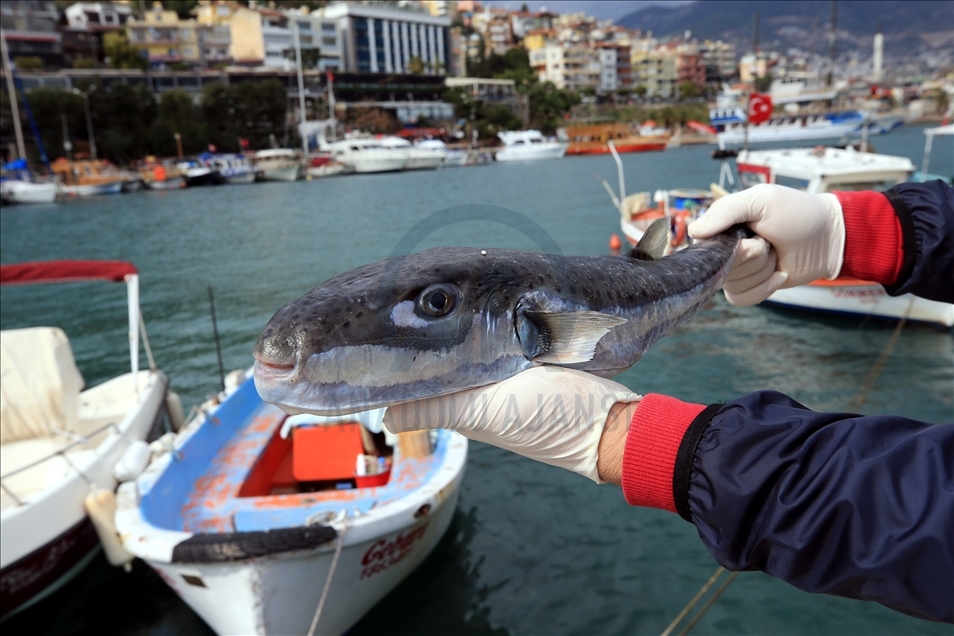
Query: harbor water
{"points": [[532, 550]]}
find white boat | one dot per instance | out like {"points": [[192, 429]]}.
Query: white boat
{"points": [[808, 127], [232, 169], [261, 531], [59, 442], [277, 164], [528, 145], [861, 298], [824, 170], [929, 134], [368, 155], [22, 191], [420, 156]]}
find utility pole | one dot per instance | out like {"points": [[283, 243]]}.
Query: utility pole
{"points": [[12, 94], [301, 87], [831, 43]]}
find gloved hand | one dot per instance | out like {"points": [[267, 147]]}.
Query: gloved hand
{"points": [[550, 414], [800, 238]]}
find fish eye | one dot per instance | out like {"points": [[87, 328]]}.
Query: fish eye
{"points": [[438, 300]]}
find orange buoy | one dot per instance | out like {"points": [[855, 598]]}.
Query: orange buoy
{"points": [[615, 244]]}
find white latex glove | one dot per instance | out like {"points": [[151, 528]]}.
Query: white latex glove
{"points": [[553, 415], [800, 238]]}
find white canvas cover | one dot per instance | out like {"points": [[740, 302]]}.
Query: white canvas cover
{"points": [[39, 383]]}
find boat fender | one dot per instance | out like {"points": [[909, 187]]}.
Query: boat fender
{"points": [[100, 505], [174, 408], [133, 461], [163, 445]]}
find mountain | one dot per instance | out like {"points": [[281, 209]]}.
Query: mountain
{"points": [[910, 27]]}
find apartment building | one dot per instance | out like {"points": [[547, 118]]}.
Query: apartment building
{"points": [[656, 70], [604, 68], [164, 38], [386, 39], [690, 68], [30, 30], [719, 60], [496, 28]]}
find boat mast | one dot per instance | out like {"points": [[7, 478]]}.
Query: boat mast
{"points": [[301, 87], [12, 94]]}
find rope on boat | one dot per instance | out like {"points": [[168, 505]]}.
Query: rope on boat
{"points": [[331, 574], [859, 399], [878, 366]]}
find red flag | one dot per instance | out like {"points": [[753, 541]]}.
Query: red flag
{"points": [[760, 108], [212, 148], [331, 76], [243, 142]]}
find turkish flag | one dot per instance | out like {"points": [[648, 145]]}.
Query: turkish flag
{"points": [[331, 76], [760, 108]]}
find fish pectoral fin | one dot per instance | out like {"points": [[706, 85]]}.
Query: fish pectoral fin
{"points": [[572, 336], [653, 243]]}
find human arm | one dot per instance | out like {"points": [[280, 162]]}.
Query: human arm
{"points": [[903, 239], [810, 498]]}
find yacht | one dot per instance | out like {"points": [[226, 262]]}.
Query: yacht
{"points": [[368, 155], [527, 145], [232, 168], [426, 156], [20, 185]]}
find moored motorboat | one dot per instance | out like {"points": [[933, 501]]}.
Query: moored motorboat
{"points": [[591, 140], [198, 174], [322, 165], [848, 296], [528, 145], [232, 169], [256, 531], [18, 184], [277, 164], [158, 176], [421, 156], [59, 442], [820, 170], [368, 155], [87, 177]]}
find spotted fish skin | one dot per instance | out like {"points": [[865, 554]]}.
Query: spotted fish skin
{"points": [[379, 335]]}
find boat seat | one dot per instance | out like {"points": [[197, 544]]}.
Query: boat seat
{"points": [[40, 386]]}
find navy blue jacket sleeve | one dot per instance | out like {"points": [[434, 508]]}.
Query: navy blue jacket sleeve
{"points": [[834, 503], [926, 213]]}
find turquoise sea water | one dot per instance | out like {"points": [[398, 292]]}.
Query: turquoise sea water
{"points": [[532, 550]]}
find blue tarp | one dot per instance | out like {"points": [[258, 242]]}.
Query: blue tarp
{"points": [[18, 164]]}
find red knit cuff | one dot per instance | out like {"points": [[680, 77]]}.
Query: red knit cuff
{"points": [[658, 426], [874, 245]]}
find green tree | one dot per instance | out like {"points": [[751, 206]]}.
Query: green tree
{"points": [[763, 82], [177, 113], [121, 53], [415, 65], [688, 90], [28, 62]]}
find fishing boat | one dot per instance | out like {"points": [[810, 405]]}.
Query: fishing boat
{"points": [[321, 165], [277, 164], [823, 169], [591, 140], [528, 145], [19, 185], [88, 177], [198, 173], [265, 523], [638, 211], [158, 176], [232, 169], [60, 442]]}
